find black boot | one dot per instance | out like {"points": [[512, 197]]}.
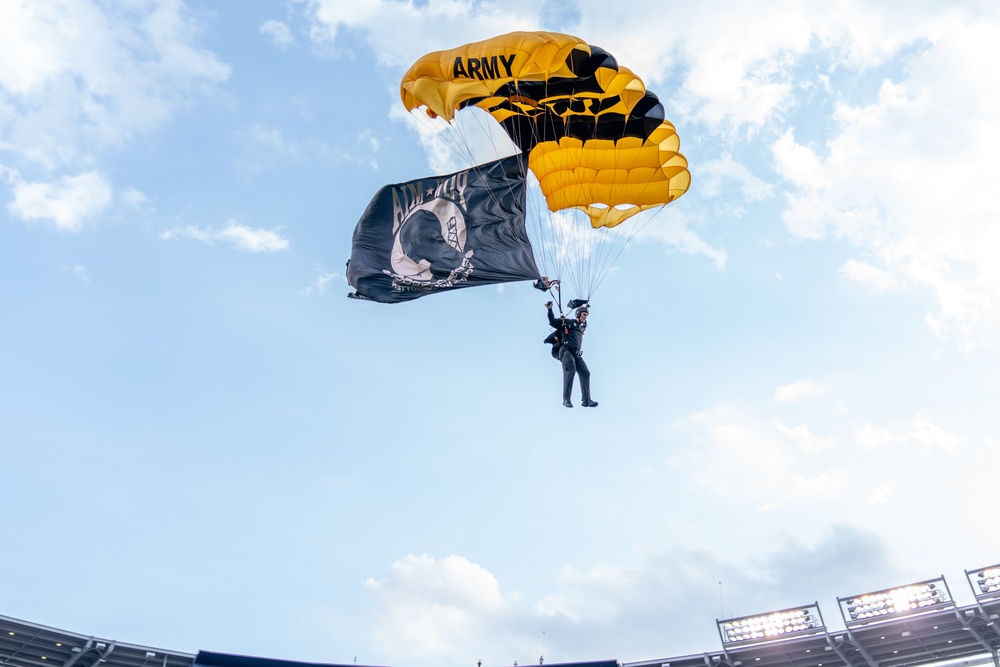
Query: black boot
{"points": [[589, 403], [567, 403]]}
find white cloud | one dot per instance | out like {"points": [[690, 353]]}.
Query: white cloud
{"points": [[446, 610], [272, 141], [253, 240], [279, 33], [908, 177], [400, 32], [437, 608], [728, 83], [270, 147], [79, 272], [136, 199], [675, 229], [267, 146], [921, 433], [805, 440], [766, 462], [715, 177], [324, 281], [239, 236], [867, 274], [67, 203], [80, 78], [451, 611], [470, 139], [825, 460], [367, 147], [798, 164], [738, 63], [30, 36], [797, 391]]}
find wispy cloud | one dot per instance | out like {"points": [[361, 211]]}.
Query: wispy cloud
{"points": [[79, 79], [234, 234], [436, 608], [323, 283], [79, 272], [279, 33], [67, 202], [888, 181], [798, 390], [716, 177], [921, 433], [444, 610], [865, 273], [75, 84], [766, 462]]}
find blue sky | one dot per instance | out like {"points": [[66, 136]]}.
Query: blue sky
{"points": [[205, 445]]}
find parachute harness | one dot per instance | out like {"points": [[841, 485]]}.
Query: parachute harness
{"points": [[555, 291]]}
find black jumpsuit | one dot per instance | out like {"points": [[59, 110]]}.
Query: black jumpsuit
{"points": [[571, 355]]}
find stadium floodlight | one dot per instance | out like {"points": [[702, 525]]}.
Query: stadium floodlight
{"points": [[895, 601], [985, 581], [775, 625]]}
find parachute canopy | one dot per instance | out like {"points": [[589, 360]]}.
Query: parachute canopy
{"points": [[596, 139]]}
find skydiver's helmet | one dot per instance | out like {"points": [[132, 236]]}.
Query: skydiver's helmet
{"points": [[582, 310], [421, 239]]}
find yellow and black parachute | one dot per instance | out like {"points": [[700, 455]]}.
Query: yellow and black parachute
{"points": [[589, 132]]}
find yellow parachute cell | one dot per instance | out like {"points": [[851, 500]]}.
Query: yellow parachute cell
{"points": [[611, 181]]}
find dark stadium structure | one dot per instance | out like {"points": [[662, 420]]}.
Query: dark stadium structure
{"points": [[916, 624]]}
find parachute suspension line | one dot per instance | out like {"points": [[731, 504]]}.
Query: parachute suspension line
{"points": [[621, 173], [595, 241], [638, 223], [572, 239], [558, 296], [577, 240], [638, 227], [598, 240], [603, 242], [448, 135], [539, 213], [539, 218], [607, 255], [597, 244]]}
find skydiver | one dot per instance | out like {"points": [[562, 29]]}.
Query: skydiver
{"points": [[571, 354]]}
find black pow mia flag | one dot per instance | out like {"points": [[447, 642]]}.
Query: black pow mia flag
{"points": [[442, 233]]}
